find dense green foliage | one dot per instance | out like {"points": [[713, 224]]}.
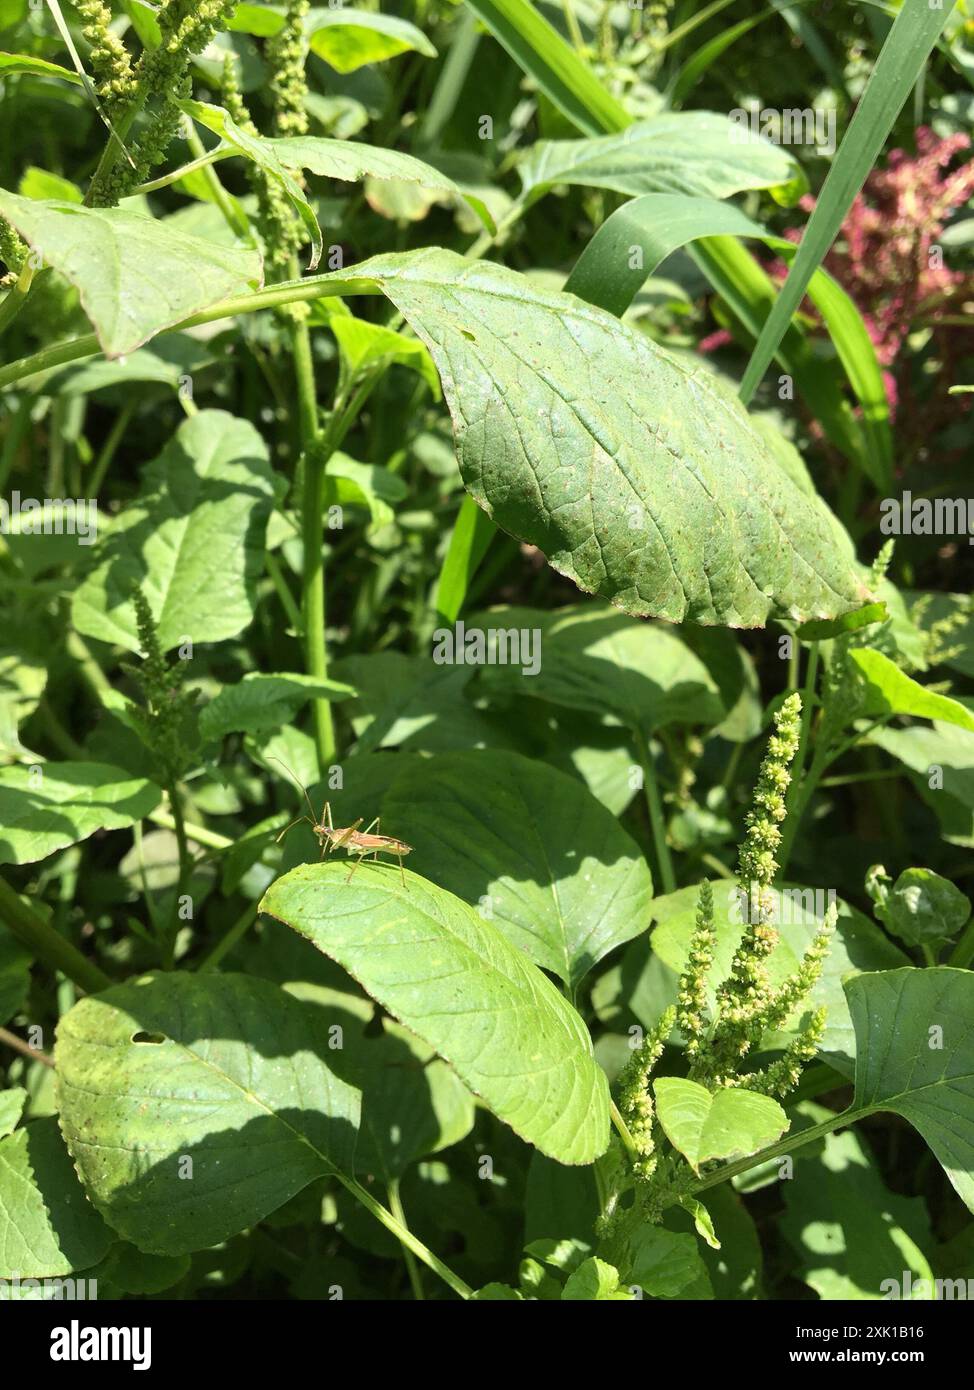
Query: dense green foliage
{"points": [[470, 413]]}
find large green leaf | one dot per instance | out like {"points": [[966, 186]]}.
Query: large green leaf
{"points": [[346, 38], [454, 979], [696, 152], [643, 481], [135, 276], [193, 539], [915, 1056], [705, 1125], [941, 760], [44, 808], [194, 1106], [850, 1232], [857, 945], [593, 658], [48, 1228], [528, 845]]}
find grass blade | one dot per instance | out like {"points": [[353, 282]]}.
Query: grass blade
{"points": [[563, 76], [914, 33]]}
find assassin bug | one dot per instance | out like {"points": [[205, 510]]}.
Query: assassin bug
{"points": [[361, 843]]}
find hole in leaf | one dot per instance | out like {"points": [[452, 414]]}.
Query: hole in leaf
{"points": [[149, 1038]]}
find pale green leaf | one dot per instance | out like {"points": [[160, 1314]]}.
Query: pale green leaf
{"points": [[48, 1228], [136, 276], [11, 63], [225, 1072], [705, 1125], [347, 38], [888, 690], [43, 809], [696, 152], [12, 1102], [454, 980], [193, 539], [594, 1281]]}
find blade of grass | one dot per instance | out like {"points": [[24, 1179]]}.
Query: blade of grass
{"points": [[563, 76], [472, 535], [914, 33]]}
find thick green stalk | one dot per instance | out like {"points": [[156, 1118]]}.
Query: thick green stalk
{"points": [[47, 944]]}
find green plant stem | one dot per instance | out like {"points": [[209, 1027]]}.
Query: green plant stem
{"points": [[8, 1039], [315, 458], [113, 438], [655, 808], [622, 1129], [229, 939], [46, 944], [794, 1141], [405, 1236], [412, 1268], [198, 833], [185, 869]]}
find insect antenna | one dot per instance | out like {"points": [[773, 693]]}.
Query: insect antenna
{"points": [[307, 798]]}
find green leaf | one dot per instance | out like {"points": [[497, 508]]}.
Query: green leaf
{"points": [[528, 845], [349, 483], [48, 1228], [659, 223], [11, 63], [647, 484], [702, 1220], [888, 690], [942, 761], [915, 1056], [368, 346], [541, 53], [696, 152], [663, 1263], [136, 276], [193, 539], [858, 944], [194, 1106], [469, 542], [260, 702], [40, 184], [12, 1102], [923, 907], [850, 1232], [865, 616], [261, 151], [455, 981], [595, 1282], [591, 657], [45, 808], [915, 31], [704, 1126], [347, 39]]}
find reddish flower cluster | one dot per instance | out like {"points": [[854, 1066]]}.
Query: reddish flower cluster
{"points": [[889, 258]]}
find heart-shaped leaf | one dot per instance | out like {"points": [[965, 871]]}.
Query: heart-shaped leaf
{"points": [[456, 981], [46, 807], [194, 1106], [705, 1125], [135, 275], [193, 539]]}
